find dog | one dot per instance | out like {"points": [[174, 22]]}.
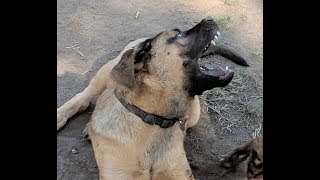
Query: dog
{"points": [[251, 151], [148, 97]]}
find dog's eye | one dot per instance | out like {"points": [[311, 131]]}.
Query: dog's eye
{"points": [[181, 34], [178, 32]]}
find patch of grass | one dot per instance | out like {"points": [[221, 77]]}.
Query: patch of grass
{"points": [[229, 2], [222, 22], [249, 111], [257, 131], [234, 107]]}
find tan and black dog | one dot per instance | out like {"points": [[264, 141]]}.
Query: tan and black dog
{"points": [[148, 97], [252, 151]]}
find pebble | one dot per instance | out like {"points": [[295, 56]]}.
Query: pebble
{"points": [[74, 151]]}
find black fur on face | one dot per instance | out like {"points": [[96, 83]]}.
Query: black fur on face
{"points": [[143, 51], [195, 41], [197, 38]]}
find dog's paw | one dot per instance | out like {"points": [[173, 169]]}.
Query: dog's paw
{"points": [[61, 120]]}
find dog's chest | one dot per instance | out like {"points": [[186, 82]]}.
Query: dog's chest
{"points": [[162, 144], [149, 144]]}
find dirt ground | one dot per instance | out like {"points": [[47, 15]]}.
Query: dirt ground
{"points": [[92, 32]]}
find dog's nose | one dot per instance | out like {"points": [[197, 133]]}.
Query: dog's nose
{"points": [[208, 19]]}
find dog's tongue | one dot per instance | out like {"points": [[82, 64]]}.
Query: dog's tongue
{"points": [[228, 75], [221, 73]]}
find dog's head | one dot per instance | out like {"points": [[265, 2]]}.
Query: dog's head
{"points": [[253, 153], [164, 70]]}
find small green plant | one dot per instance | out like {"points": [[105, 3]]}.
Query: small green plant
{"points": [[229, 2], [222, 22]]}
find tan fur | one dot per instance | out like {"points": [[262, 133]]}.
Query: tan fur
{"points": [[159, 77], [127, 148], [164, 84], [100, 82], [124, 146], [97, 85]]}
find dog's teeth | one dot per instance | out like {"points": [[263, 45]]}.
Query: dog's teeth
{"points": [[227, 68], [218, 33], [212, 42], [215, 37], [202, 68]]}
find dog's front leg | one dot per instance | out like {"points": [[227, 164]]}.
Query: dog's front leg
{"points": [[97, 85], [82, 100], [227, 53], [178, 169]]}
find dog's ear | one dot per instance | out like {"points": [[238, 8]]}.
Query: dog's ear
{"points": [[123, 72], [142, 54], [237, 156], [131, 62]]}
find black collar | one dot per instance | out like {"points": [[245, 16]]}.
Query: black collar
{"points": [[149, 118]]}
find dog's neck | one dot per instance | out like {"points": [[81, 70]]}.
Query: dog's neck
{"points": [[161, 104], [113, 118], [148, 118]]}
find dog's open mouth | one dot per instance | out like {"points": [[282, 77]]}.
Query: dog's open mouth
{"points": [[212, 42], [204, 79], [200, 39], [220, 73]]}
